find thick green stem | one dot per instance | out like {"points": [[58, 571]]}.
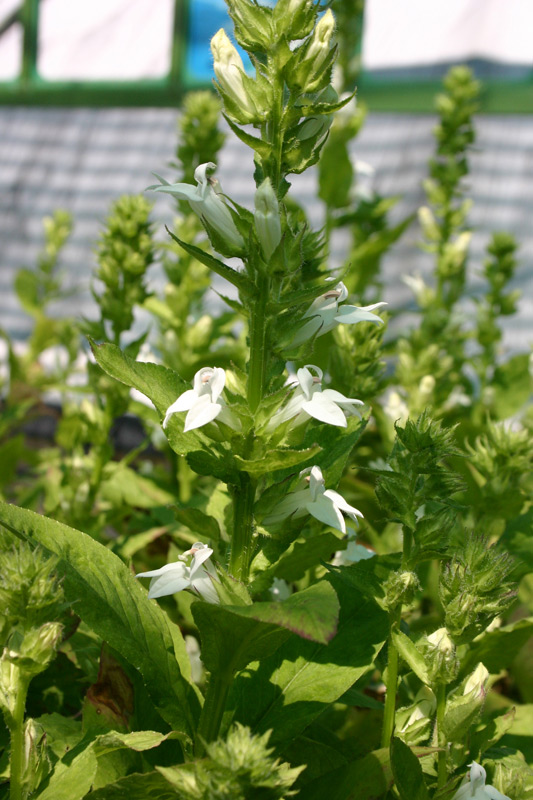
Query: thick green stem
{"points": [[392, 682], [243, 519], [212, 711], [258, 359], [441, 737], [16, 727]]}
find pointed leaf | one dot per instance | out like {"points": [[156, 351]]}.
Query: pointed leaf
{"points": [[274, 460], [238, 279], [410, 655], [109, 599]]}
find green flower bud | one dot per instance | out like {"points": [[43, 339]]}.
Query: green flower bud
{"points": [[36, 762], [400, 587], [267, 219], [428, 224], [476, 683], [414, 722], [320, 41], [229, 70], [440, 657], [36, 649]]}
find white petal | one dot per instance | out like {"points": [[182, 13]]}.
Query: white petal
{"points": [[199, 557], [494, 794], [227, 417], [217, 383], [325, 511], [288, 411], [341, 503], [350, 315], [203, 585], [306, 332], [201, 413], [200, 173], [316, 482], [305, 379], [184, 190], [291, 506], [169, 579], [324, 410], [184, 402]]}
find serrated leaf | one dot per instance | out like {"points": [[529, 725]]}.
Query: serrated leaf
{"points": [[408, 775], [263, 148], [109, 599], [286, 692], [233, 636], [274, 460]]}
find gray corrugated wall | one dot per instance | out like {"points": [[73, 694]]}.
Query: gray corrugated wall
{"points": [[81, 159]]}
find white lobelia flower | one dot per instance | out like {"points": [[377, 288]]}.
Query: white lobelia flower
{"points": [[205, 200], [325, 313], [203, 401], [312, 497], [474, 788], [192, 571], [309, 400]]}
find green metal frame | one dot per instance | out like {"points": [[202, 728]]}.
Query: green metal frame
{"points": [[30, 89]]}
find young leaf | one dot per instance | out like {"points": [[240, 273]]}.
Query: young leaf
{"points": [[410, 655], [109, 599]]}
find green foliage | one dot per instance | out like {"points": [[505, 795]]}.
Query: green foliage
{"points": [[236, 768]]}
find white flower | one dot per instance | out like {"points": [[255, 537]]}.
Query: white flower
{"points": [[205, 200], [395, 408], [475, 789], [352, 554], [325, 313], [311, 497], [309, 400], [203, 402], [423, 707], [229, 69], [191, 572]]}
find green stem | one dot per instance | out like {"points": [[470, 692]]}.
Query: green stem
{"points": [[257, 365], [441, 737], [392, 682], [243, 520], [16, 727], [212, 711], [407, 545]]}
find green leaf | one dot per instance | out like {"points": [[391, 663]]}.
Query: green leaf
{"points": [[511, 386], [146, 786], [232, 636], [408, 775], [238, 279], [263, 148], [230, 641], [109, 599], [198, 521], [519, 733], [367, 778], [517, 538], [410, 655], [72, 780], [274, 460], [497, 649], [286, 692], [301, 555]]}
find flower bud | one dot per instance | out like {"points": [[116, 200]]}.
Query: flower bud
{"points": [[267, 220], [476, 684], [414, 722], [320, 41], [428, 224], [400, 587], [440, 657], [229, 70]]}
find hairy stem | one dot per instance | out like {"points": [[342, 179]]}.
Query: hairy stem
{"points": [[243, 519], [258, 354], [392, 682], [441, 738], [16, 727], [212, 711]]}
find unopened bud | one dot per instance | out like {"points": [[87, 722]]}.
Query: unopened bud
{"points": [[400, 587], [229, 70], [426, 385], [477, 682], [440, 657], [428, 224], [320, 41], [267, 220], [37, 648]]}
